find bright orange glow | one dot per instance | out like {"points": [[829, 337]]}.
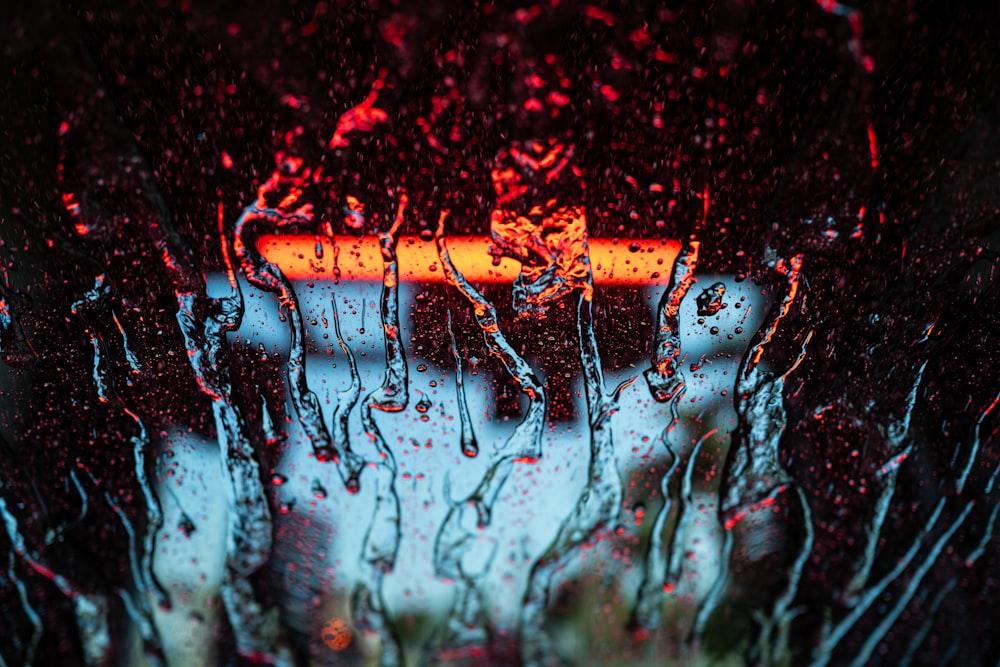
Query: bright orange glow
{"points": [[337, 634], [614, 261]]}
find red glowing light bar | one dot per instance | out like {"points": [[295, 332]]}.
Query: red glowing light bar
{"points": [[614, 261]]}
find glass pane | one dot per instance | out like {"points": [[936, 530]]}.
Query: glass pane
{"points": [[339, 333]]}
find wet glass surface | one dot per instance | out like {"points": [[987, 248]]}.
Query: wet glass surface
{"points": [[518, 335]]}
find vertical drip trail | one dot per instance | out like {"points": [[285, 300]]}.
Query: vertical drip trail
{"points": [[347, 398], [678, 538], [248, 542], [666, 384], [393, 395], [28, 657], [918, 639], [647, 612], [664, 377], [466, 631], [912, 585], [914, 645], [772, 641], [268, 277], [832, 636], [753, 472], [204, 323], [130, 355], [140, 613], [91, 609], [897, 436], [15, 348], [141, 459], [140, 558], [381, 543], [468, 437], [599, 503], [455, 546], [714, 596], [526, 441], [987, 535], [754, 475], [378, 558], [974, 447]]}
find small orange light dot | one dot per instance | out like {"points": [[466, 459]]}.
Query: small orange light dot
{"points": [[337, 634]]}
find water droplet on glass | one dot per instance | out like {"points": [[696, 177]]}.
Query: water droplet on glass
{"points": [[186, 525], [710, 300]]}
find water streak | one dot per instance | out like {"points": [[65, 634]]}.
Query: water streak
{"points": [[754, 476], [598, 506], [381, 542], [896, 437], [468, 436], [678, 540], [137, 607], [913, 585], [647, 612], [975, 445], [526, 441], [906, 595], [772, 646], [140, 559], [666, 384], [15, 348], [90, 608], [987, 535], [918, 639], [832, 636], [204, 323], [277, 205], [28, 657], [455, 554], [664, 377], [346, 398], [754, 473]]}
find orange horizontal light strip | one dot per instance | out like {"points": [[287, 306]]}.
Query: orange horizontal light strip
{"points": [[615, 262]]}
